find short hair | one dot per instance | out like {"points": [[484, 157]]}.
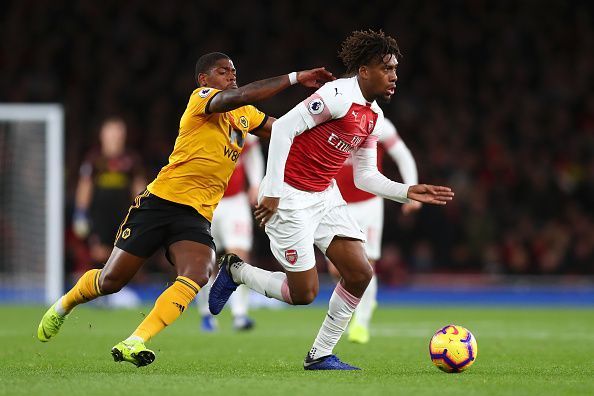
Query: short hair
{"points": [[364, 46], [206, 62], [113, 119]]}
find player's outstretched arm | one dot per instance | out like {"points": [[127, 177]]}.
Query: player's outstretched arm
{"points": [[263, 89], [368, 178], [426, 193]]}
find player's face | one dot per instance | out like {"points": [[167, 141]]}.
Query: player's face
{"points": [[382, 78], [222, 76], [113, 138]]}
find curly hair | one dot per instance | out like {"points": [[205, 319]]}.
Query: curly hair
{"points": [[365, 46]]}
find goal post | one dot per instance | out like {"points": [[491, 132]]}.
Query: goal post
{"points": [[28, 127]]}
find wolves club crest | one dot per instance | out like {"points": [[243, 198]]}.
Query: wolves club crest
{"points": [[291, 256]]}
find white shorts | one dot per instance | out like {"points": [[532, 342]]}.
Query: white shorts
{"points": [[305, 219], [232, 223], [369, 214]]}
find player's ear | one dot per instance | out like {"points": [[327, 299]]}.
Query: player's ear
{"points": [[364, 72], [201, 80]]}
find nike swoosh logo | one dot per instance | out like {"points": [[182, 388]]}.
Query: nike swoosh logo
{"points": [[307, 364]]}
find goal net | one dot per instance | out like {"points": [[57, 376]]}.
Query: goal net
{"points": [[31, 203]]}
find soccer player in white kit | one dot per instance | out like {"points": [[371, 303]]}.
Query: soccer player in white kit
{"points": [[368, 211], [300, 204], [232, 230]]}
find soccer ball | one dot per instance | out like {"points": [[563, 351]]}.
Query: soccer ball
{"points": [[453, 349]]}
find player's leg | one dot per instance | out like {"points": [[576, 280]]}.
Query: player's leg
{"points": [[295, 288], [358, 329], [291, 242], [369, 214], [193, 262], [340, 238], [118, 271], [351, 261], [359, 326], [189, 247]]}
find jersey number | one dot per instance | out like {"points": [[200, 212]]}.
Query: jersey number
{"points": [[230, 153]]}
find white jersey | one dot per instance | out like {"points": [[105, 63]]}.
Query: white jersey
{"points": [[310, 143], [308, 147]]}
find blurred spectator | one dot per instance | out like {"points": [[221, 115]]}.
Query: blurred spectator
{"points": [[110, 177]]}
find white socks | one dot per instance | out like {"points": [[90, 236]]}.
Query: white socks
{"points": [[267, 283], [60, 308], [341, 308], [367, 305]]}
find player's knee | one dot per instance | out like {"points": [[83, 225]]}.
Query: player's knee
{"points": [[199, 273], [303, 297], [198, 270], [359, 277], [201, 278], [108, 284]]}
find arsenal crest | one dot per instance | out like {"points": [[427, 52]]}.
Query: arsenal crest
{"points": [[291, 256]]}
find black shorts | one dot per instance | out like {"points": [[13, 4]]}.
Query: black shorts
{"points": [[153, 222]]}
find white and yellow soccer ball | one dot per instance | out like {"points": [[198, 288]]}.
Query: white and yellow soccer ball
{"points": [[453, 349]]}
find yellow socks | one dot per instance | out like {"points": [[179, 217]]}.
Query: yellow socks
{"points": [[86, 289], [168, 307]]}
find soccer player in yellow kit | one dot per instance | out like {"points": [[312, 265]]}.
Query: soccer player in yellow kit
{"points": [[176, 209]]}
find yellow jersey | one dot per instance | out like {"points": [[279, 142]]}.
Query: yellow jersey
{"points": [[205, 153]]}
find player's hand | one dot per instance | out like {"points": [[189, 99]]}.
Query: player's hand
{"points": [[80, 224], [314, 78], [426, 193], [411, 207], [265, 209]]}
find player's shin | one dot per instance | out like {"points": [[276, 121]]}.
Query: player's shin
{"points": [[341, 308], [85, 290], [267, 283], [168, 307]]}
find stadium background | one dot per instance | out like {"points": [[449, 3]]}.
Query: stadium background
{"points": [[493, 98]]}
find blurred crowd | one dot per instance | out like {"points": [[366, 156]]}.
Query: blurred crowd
{"points": [[495, 99]]}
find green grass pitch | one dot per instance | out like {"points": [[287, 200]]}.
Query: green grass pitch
{"points": [[521, 352]]}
